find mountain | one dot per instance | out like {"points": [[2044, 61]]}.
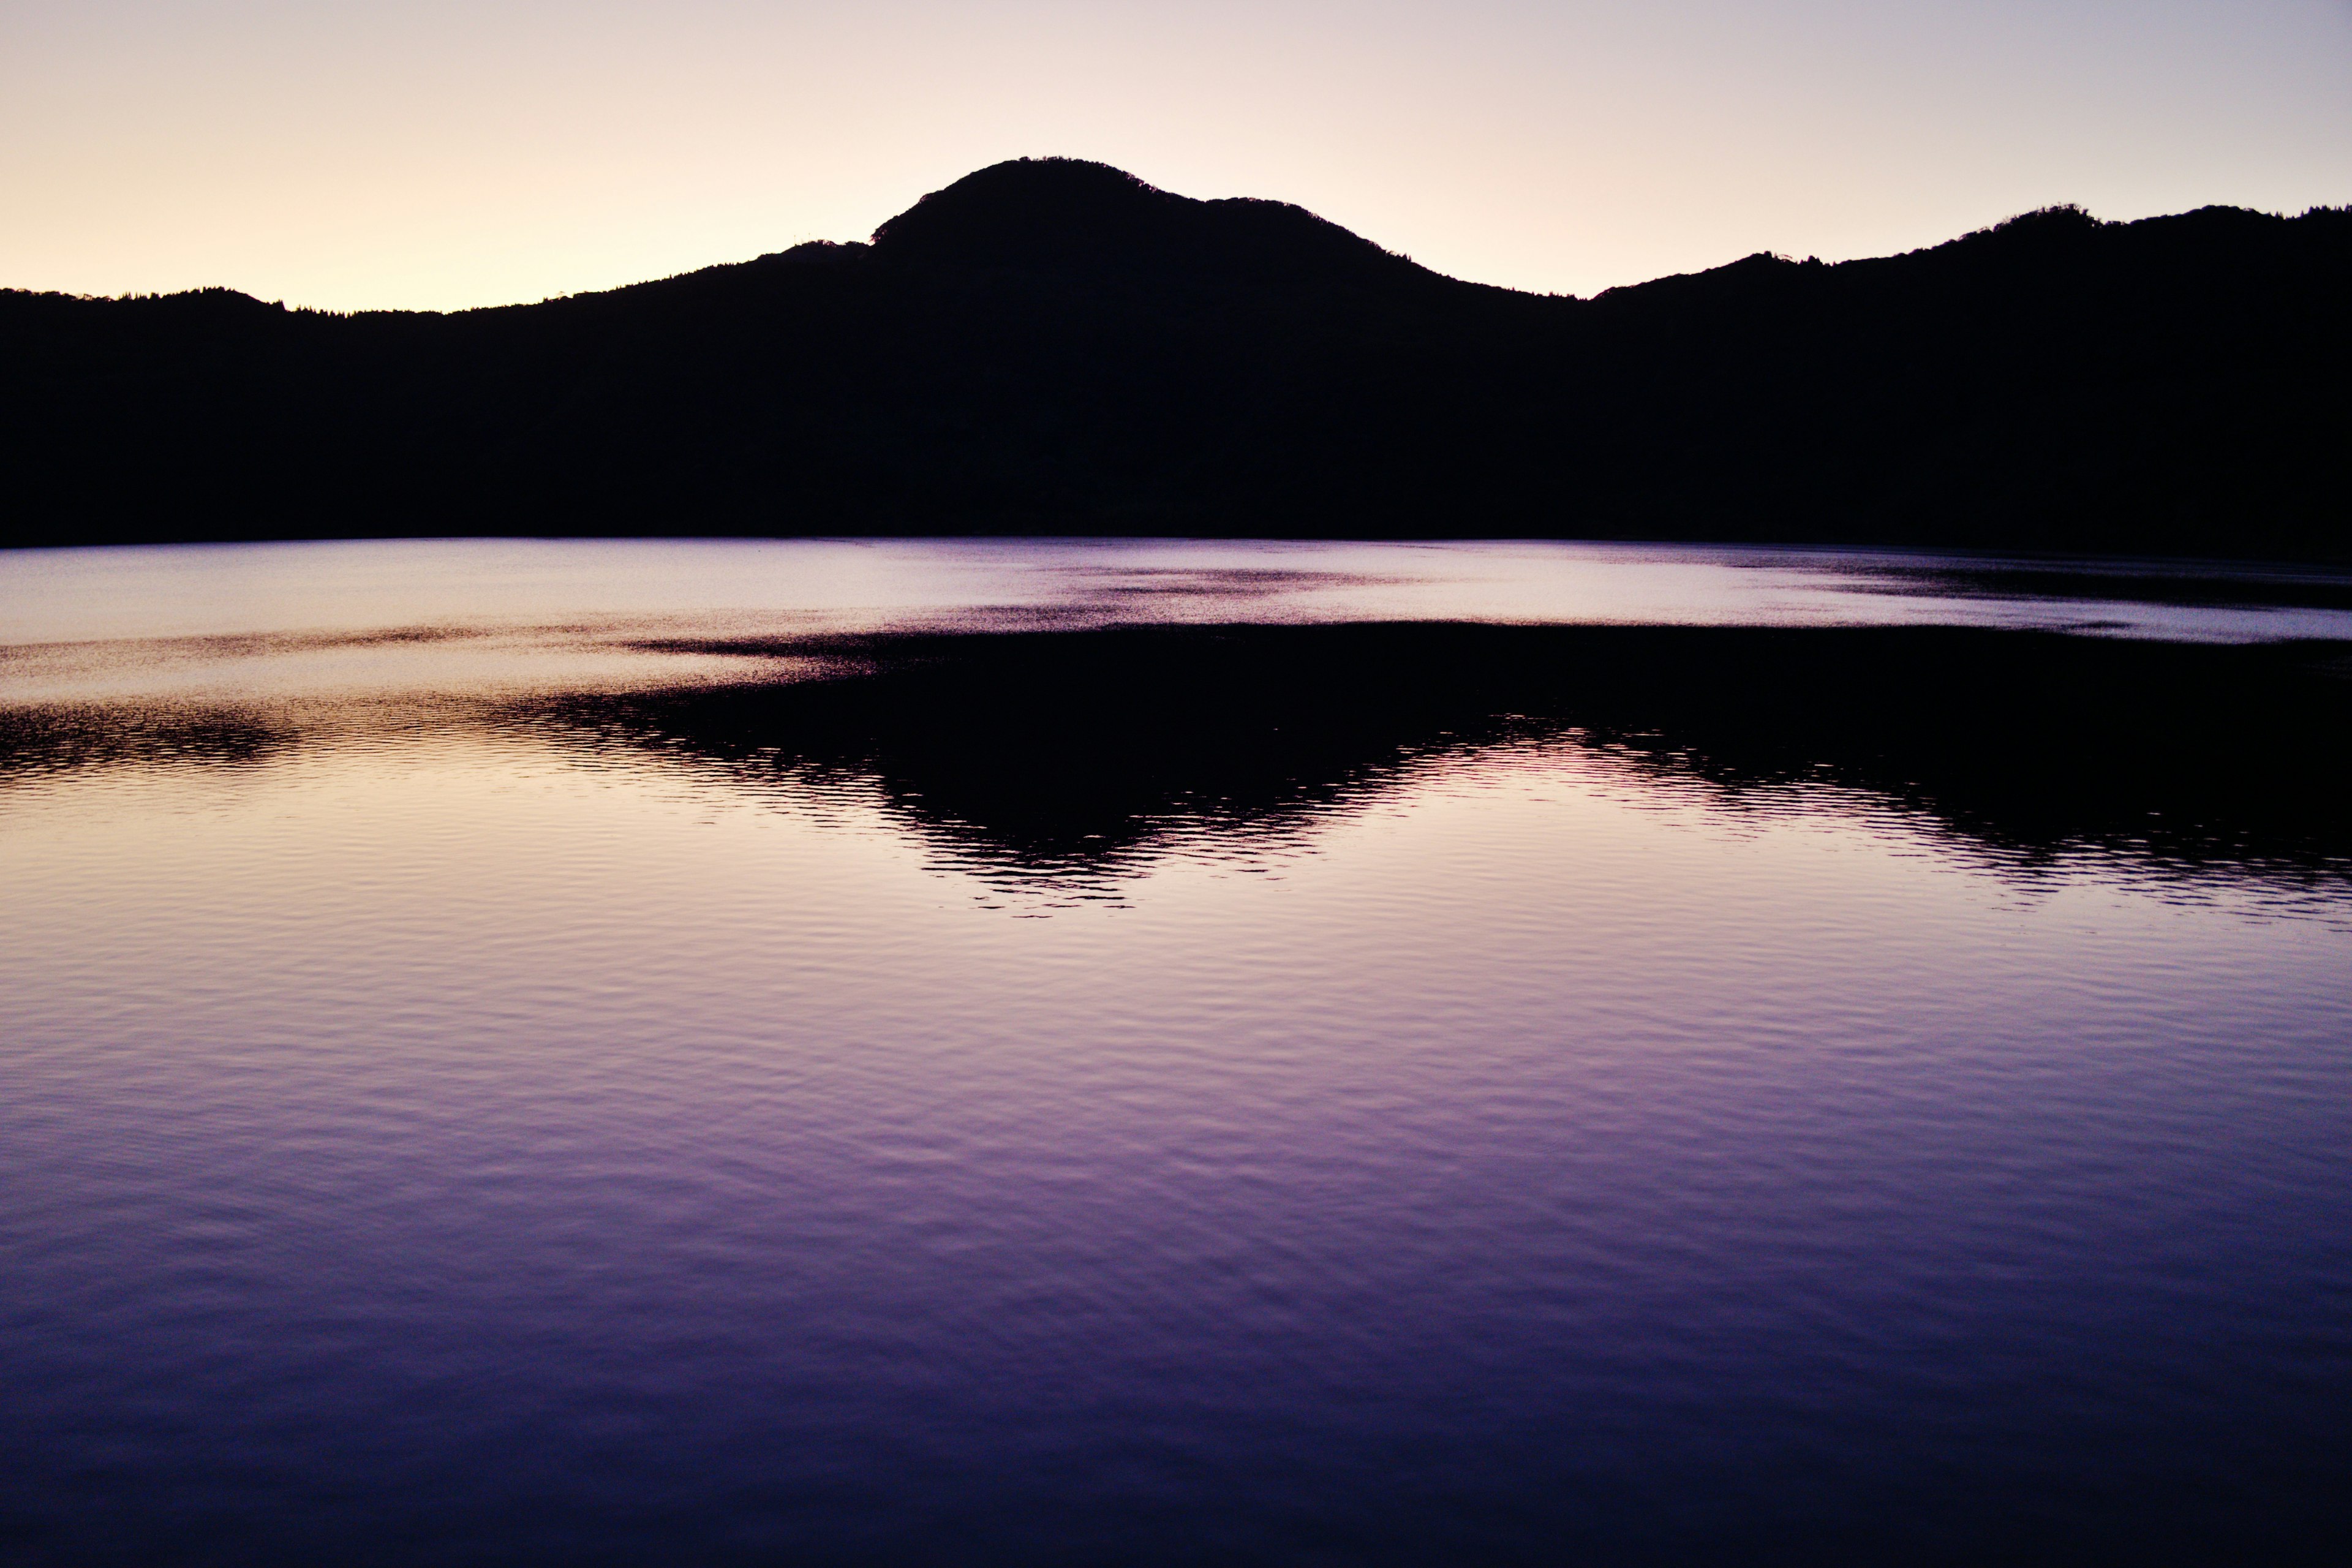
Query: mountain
{"points": [[1055, 346]]}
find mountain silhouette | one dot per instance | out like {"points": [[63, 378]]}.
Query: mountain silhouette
{"points": [[1068, 215], [1054, 346]]}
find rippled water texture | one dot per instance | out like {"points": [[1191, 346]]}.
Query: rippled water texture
{"points": [[1042, 1052]]}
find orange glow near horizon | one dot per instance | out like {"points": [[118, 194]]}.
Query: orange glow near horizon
{"points": [[441, 155]]}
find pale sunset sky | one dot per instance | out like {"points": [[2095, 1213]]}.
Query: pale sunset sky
{"points": [[441, 153]]}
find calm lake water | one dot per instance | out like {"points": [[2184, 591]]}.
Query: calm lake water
{"points": [[1047, 1052]]}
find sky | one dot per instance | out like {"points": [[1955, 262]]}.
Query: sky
{"points": [[439, 155]]}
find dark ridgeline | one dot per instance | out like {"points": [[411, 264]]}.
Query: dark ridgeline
{"points": [[1053, 346]]}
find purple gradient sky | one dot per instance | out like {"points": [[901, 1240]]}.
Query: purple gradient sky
{"points": [[453, 153]]}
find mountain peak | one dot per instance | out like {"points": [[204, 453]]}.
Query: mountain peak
{"points": [[1028, 207], [1062, 213]]}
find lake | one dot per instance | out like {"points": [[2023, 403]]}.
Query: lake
{"points": [[1041, 1051]]}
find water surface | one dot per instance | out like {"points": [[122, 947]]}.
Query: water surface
{"points": [[1044, 1052]]}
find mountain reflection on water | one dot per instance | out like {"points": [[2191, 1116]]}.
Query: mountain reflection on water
{"points": [[1080, 757], [1054, 753]]}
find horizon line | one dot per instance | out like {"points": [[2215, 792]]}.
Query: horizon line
{"points": [[136, 295]]}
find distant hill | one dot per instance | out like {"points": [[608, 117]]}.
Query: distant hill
{"points": [[1054, 346]]}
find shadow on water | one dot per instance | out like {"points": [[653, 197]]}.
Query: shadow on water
{"points": [[1062, 755]]}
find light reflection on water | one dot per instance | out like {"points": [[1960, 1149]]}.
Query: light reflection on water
{"points": [[256, 621], [1472, 1095]]}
